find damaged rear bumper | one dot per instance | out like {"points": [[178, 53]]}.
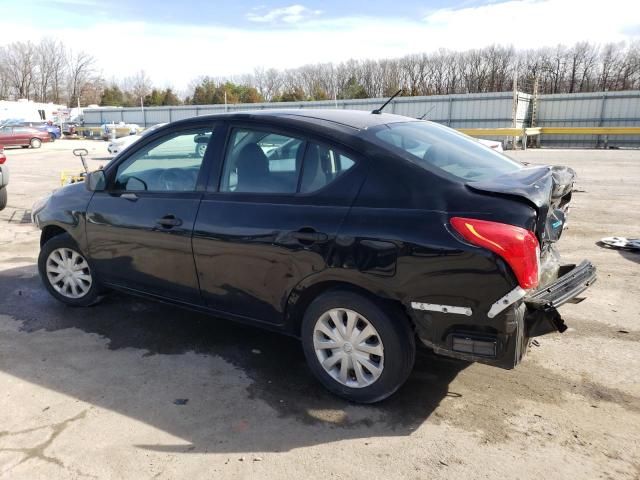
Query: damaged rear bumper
{"points": [[542, 314], [501, 338]]}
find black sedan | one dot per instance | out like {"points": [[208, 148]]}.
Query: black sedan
{"points": [[360, 233]]}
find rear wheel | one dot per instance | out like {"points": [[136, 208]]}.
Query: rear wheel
{"points": [[66, 273], [35, 143], [3, 198], [200, 149], [355, 347]]}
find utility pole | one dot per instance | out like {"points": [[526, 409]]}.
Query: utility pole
{"points": [[534, 108], [514, 113], [144, 119]]}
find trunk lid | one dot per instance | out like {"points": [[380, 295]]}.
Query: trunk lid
{"points": [[548, 189]]}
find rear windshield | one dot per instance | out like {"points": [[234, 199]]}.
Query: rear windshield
{"points": [[431, 145]]}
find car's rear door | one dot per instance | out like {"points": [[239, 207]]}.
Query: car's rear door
{"points": [[139, 229], [269, 222]]}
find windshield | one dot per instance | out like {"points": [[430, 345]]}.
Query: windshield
{"points": [[432, 145]]}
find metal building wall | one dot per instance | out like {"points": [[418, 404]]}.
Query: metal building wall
{"points": [[601, 109], [480, 110], [471, 110]]}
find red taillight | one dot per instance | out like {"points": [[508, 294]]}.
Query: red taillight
{"points": [[2, 157], [517, 246]]}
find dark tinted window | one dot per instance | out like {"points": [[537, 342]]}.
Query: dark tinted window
{"points": [[432, 145], [322, 165], [259, 161]]}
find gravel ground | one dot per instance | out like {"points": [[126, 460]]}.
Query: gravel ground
{"points": [[134, 389]]}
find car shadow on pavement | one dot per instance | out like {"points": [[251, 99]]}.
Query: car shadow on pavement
{"points": [[217, 385]]}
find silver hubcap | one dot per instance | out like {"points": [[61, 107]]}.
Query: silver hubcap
{"points": [[68, 273], [348, 347]]}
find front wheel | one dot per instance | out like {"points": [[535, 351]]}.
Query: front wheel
{"points": [[357, 348], [3, 198], [35, 143], [66, 273]]}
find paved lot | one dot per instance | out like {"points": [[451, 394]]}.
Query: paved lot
{"points": [[100, 392]]}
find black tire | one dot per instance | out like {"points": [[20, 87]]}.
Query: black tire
{"points": [[65, 241], [395, 334], [3, 198], [201, 148], [35, 143]]}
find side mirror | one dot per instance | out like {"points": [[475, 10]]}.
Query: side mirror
{"points": [[95, 181]]}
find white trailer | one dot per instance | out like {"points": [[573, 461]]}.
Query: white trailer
{"points": [[27, 110]]}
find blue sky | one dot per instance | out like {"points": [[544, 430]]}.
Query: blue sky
{"points": [[62, 13], [177, 41]]}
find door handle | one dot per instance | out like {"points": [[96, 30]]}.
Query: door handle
{"points": [[169, 221], [129, 196], [309, 236]]}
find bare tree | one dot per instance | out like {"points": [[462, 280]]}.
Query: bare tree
{"points": [[47, 71], [19, 62], [610, 58], [139, 85], [81, 70], [48, 68]]}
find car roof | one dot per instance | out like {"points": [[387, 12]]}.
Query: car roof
{"points": [[355, 119]]}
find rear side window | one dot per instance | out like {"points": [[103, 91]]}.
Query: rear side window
{"points": [[432, 145], [259, 161], [322, 165]]}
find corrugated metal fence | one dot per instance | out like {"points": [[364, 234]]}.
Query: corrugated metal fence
{"points": [[485, 110], [603, 109]]}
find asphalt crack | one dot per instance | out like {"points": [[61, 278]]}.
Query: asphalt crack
{"points": [[38, 451]]}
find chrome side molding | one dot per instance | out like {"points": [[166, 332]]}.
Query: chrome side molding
{"points": [[509, 299], [434, 307]]}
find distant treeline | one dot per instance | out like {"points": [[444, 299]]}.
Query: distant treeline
{"points": [[47, 71]]}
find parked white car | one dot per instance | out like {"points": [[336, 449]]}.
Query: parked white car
{"points": [[497, 146], [118, 145]]}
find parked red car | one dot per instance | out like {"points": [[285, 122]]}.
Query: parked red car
{"points": [[4, 178], [23, 136]]}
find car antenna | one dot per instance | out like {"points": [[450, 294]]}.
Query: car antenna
{"points": [[378, 111], [426, 113]]}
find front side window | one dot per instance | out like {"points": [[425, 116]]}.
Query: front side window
{"points": [[170, 164], [432, 145], [258, 161]]}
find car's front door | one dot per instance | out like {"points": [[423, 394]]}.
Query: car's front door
{"points": [[23, 135], [139, 229], [271, 221]]}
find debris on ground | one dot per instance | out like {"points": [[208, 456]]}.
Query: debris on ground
{"points": [[621, 242]]}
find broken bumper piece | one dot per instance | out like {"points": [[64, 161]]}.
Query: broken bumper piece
{"points": [[542, 313]]}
